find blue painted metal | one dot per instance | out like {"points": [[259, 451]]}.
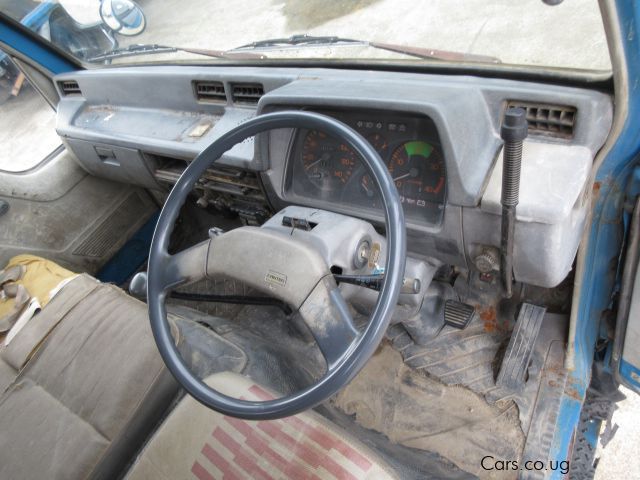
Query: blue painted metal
{"points": [[633, 188], [35, 19], [38, 16], [593, 433], [605, 238], [27, 43], [131, 256]]}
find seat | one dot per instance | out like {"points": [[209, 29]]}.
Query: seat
{"points": [[195, 442], [82, 386]]}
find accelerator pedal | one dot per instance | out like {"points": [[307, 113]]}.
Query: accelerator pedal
{"points": [[514, 366], [458, 314]]}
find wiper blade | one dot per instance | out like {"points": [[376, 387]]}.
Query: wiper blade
{"points": [[298, 40], [147, 49], [419, 52]]}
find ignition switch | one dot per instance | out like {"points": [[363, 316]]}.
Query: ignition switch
{"points": [[363, 251]]}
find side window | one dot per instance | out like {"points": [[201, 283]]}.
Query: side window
{"points": [[27, 121]]}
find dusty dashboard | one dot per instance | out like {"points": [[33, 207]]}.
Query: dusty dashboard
{"points": [[438, 135], [324, 171]]}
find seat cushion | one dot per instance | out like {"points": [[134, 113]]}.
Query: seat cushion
{"points": [[198, 443], [91, 387], [43, 439]]}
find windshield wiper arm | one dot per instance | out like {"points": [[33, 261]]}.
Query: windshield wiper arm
{"points": [[147, 49], [419, 52], [298, 40], [422, 52]]}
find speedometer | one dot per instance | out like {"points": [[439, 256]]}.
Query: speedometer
{"points": [[418, 170], [327, 163], [327, 173]]}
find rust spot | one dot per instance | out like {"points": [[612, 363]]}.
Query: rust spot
{"points": [[596, 189], [554, 369], [573, 393], [489, 318]]}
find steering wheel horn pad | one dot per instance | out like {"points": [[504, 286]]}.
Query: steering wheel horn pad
{"points": [[279, 266]]}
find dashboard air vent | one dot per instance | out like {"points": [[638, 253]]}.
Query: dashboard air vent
{"points": [[210, 92], [551, 120], [247, 93], [70, 87]]}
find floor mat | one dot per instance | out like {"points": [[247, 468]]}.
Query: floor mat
{"points": [[418, 411]]}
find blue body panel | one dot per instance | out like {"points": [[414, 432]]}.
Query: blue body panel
{"points": [[38, 16], [605, 238], [33, 48]]}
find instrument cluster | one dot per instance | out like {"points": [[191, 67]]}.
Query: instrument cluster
{"points": [[322, 168]]}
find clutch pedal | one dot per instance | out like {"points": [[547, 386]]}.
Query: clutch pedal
{"points": [[516, 359], [458, 314]]}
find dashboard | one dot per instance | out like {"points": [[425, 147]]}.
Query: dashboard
{"points": [[438, 136], [321, 168]]}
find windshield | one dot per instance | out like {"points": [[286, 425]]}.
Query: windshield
{"points": [[502, 32]]}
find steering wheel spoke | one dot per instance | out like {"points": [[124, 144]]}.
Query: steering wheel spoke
{"points": [[184, 267], [327, 315]]}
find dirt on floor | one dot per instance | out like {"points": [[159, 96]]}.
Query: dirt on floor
{"points": [[417, 411]]}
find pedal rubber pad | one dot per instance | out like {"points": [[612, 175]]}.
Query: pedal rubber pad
{"points": [[458, 314], [523, 338]]}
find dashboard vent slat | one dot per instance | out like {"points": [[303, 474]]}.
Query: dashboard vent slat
{"points": [[550, 120], [210, 92], [247, 93], [70, 87]]}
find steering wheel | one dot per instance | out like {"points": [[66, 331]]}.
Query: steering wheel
{"points": [[294, 272]]}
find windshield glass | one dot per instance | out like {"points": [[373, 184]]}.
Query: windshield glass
{"points": [[502, 32]]}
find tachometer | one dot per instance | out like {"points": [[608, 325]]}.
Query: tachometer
{"points": [[327, 163], [418, 170]]}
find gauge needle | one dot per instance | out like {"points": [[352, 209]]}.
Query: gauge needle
{"points": [[413, 173], [323, 157], [367, 190]]}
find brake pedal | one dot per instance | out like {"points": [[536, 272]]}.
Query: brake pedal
{"points": [[457, 314], [516, 359]]}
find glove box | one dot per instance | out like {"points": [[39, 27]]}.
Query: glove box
{"points": [[121, 164]]}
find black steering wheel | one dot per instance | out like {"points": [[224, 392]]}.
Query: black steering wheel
{"points": [[294, 272]]}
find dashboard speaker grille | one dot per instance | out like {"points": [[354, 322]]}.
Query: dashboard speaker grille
{"points": [[70, 87], [210, 92], [551, 120], [247, 93]]}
